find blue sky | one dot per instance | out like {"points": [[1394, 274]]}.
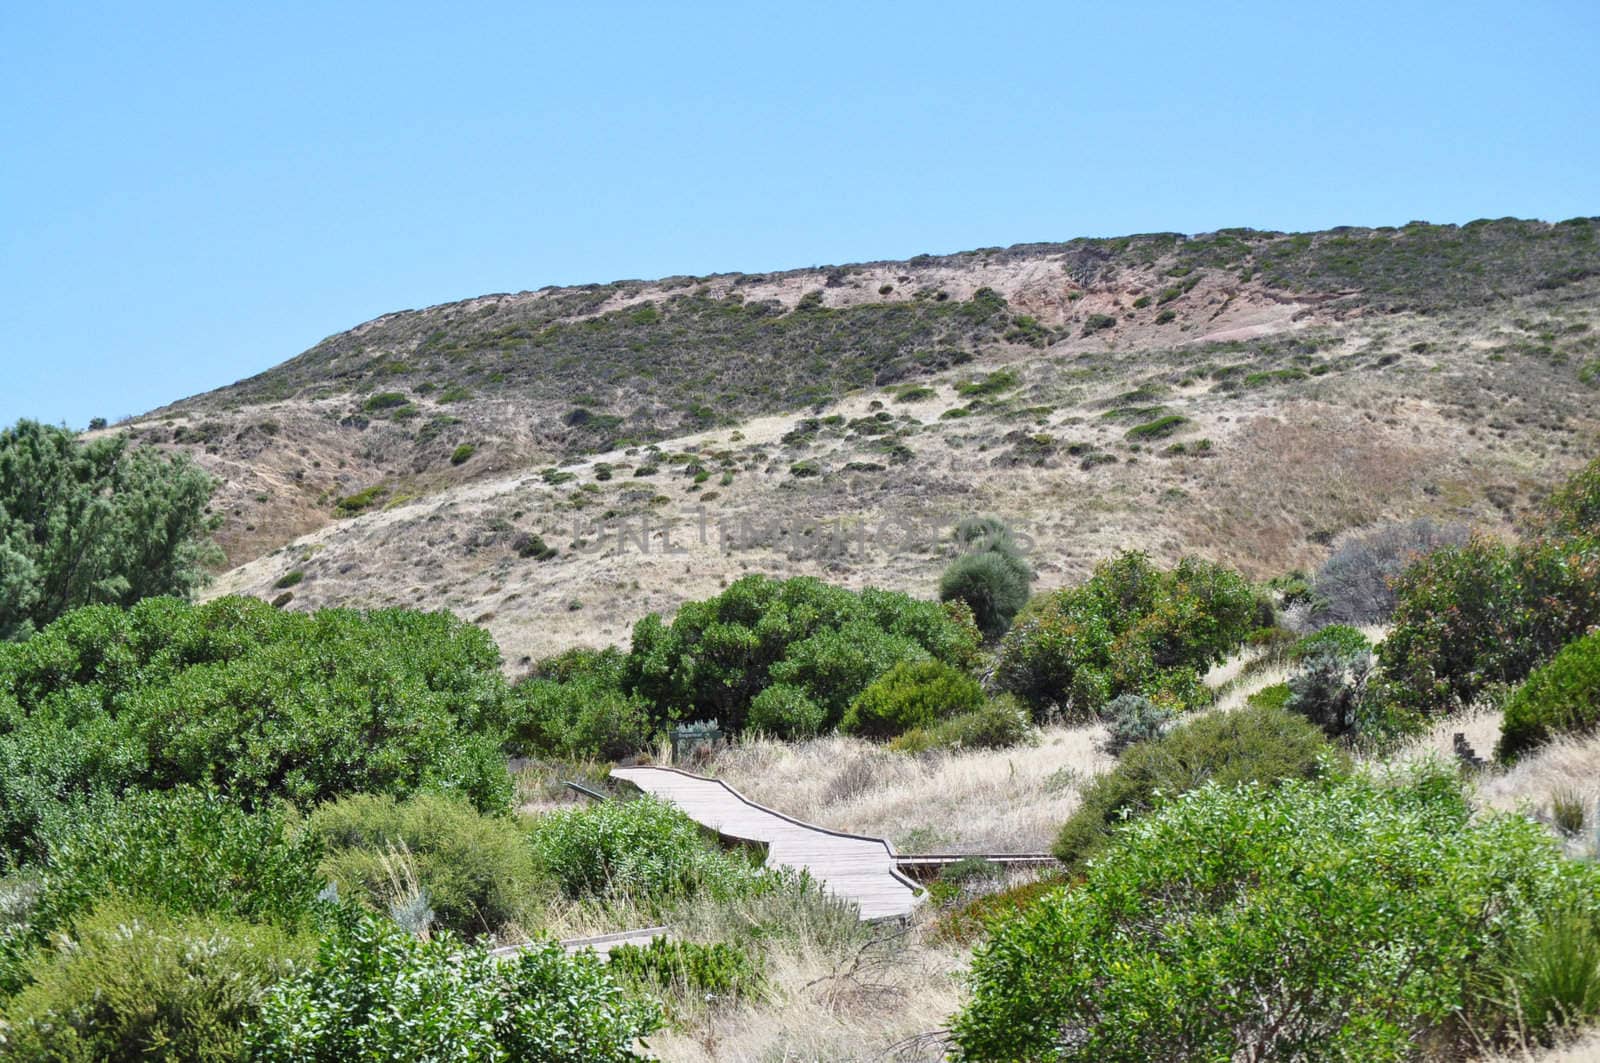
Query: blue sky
{"points": [[190, 193]]}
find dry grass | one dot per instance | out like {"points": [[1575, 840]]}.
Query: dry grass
{"points": [[1581, 1049], [1008, 800]]}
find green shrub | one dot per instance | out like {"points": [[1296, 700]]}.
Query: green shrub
{"points": [[1164, 317], [478, 872], [1574, 509], [384, 400], [1160, 428], [254, 701], [1000, 724], [132, 982], [1560, 697], [828, 643], [1131, 629], [1097, 323], [1485, 613], [185, 852], [784, 711], [1356, 584], [967, 924], [361, 501], [289, 579], [1340, 639], [574, 707], [93, 522], [1316, 921], [1328, 688], [711, 973], [643, 850], [462, 454], [1275, 696], [991, 576], [1131, 719], [376, 993], [911, 694], [1548, 983], [1257, 746], [530, 545]]}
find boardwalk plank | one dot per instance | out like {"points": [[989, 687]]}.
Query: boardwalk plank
{"points": [[848, 866]]}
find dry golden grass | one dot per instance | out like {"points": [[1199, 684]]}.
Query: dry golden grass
{"points": [[1007, 800]]}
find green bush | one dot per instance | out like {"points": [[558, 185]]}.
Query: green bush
{"points": [[1548, 983], [715, 972], [1000, 724], [785, 711], [1574, 509], [1256, 746], [254, 701], [1317, 921], [132, 982], [185, 852], [478, 872], [828, 643], [97, 522], [1485, 613], [1340, 639], [991, 576], [1160, 428], [911, 694], [1131, 629], [377, 993], [643, 850], [289, 579], [1560, 697], [463, 454], [1131, 719], [384, 400], [574, 707]]}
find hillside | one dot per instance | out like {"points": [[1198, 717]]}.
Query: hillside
{"points": [[1247, 395]]}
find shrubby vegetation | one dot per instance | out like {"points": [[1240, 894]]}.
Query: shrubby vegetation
{"points": [[256, 702], [1349, 919], [574, 706], [1257, 746], [378, 993], [1131, 629], [1001, 723], [825, 642], [1560, 697], [991, 576], [912, 694], [1355, 585], [95, 523]]}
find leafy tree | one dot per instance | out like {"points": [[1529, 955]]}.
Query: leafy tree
{"points": [[1131, 629], [96, 522], [825, 642]]}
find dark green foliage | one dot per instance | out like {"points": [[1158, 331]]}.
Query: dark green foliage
{"points": [[1254, 745], [1001, 380], [1000, 724], [462, 454], [133, 983], [289, 579], [642, 850], [384, 400], [1131, 719], [1132, 628], [991, 576], [85, 523], [255, 701], [1485, 613], [1561, 697], [911, 694], [826, 642], [574, 707], [377, 993], [1097, 323], [361, 501], [715, 972], [478, 871], [1574, 510], [531, 545], [1350, 920], [1548, 983]]}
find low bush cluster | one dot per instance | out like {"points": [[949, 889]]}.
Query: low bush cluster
{"points": [[1320, 920], [1256, 746], [991, 576], [574, 706], [1001, 723], [825, 642], [1131, 629], [713, 973], [912, 694], [1561, 697], [259, 703]]}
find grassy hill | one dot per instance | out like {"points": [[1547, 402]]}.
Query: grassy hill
{"points": [[1247, 394]]}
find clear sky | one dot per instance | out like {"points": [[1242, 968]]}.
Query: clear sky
{"points": [[190, 193]]}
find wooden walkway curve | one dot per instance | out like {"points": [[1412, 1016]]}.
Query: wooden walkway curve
{"points": [[848, 866]]}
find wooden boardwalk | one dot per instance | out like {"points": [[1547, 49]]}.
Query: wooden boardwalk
{"points": [[848, 866]]}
